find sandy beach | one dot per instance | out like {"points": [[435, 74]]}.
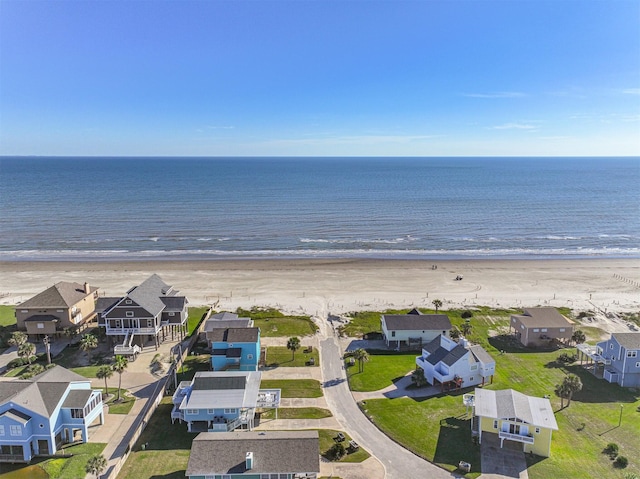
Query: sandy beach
{"points": [[320, 287]]}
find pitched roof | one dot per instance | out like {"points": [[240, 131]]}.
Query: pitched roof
{"points": [[147, 294], [273, 452], [60, 295], [543, 317], [480, 354], [628, 340], [104, 302], [416, 322], [77, 398], [174, 303], [234, 335], [507, 404], [224, 323], [439, 353]]}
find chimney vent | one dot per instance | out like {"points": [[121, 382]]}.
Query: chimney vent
{"points": [[87, 289]]}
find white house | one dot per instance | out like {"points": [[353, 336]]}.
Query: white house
{"points": [[414, 328], [452, 364]]}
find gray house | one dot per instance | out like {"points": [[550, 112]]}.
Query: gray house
{"points": [[146, 312], [255, 455], [621, 357], [413, 329], [542, 326]]}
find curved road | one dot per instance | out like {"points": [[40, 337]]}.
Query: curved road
{"points": [[398, 462]]}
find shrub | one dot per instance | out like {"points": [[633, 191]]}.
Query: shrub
{"points": [[567, 358], [16, 363], [621, 462], [611, 450], [466, 314], [336, 452]]}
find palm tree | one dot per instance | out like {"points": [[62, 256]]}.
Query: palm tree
{"points": [[88, 342], [96, 465], [578, 337], [570, 385], [119, 366], [454, 333], [293, 344], [362, 356], [26, 350], [18, 338], [105, 372], [437, 303], [466, 328]]}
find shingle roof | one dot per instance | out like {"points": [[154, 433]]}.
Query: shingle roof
{"points": [[174, 303], [147, 294], [414, 322], [43, 318], [104, 302], [60, 295], [509, 404], [77, 399], [273, 452], [481, 354], [234, 335], [543, 317], [224, 324], [628, 340]]}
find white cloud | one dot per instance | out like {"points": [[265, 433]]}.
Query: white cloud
{"points": [[631, 91], [500, 94], [355, 139]]}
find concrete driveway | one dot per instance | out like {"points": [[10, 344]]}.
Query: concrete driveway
{"points": [[501, 463]]}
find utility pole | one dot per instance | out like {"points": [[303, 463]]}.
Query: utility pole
{"points": [[47, 346]]}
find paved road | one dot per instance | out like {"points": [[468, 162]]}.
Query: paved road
{"points": [[397, 461]]}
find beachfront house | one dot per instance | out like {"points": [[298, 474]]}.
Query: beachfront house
{"points": [[234, 348], [508, 415], [541, 327], [227, 320], [61, 306], [146, 313], [221, 401], [413, 329], [39, 415], [455, 365], [620, 355], [255, 455]]}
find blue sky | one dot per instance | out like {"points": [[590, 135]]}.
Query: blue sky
{"points": [[277, 78]]}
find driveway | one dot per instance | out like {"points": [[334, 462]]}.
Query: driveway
{"points": [[501, 463]]}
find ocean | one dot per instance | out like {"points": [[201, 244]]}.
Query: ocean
{"points": [[427, 208]]}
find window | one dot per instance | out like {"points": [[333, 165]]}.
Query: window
{"points": [[16, 430], [471, 378], [1, 430], [40, 325], [632, 354], [544, 330], [495, 424], [129, 314], [77, 413], [536, 330], [172, 314], [128, 301], [562, 330], [24, 311], [192, 412], [393, 334], [537, 430], [118, 323], [474, 367], [61, 310], [611, 346], [230, 411], [211, 411], [522, 326]]}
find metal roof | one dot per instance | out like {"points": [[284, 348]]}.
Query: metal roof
{"points": [[510, 404]]}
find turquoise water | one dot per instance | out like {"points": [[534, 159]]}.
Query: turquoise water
{"points": [[159, 208]]}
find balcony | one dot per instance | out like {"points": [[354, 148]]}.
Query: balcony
{"points": [[516, 437], [176, 414], [183, 389], [111, 331], [268, 398]]}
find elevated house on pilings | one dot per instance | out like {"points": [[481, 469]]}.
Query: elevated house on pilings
{"points": [[148, 312]]}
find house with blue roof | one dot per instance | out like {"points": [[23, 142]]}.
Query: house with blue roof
{"points": [[39, 415]]}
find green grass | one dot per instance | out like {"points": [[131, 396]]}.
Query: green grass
{"points": [[126, 401], [327, 440], [281, 356], [382, 370], [195, 317], [167, 453], [434, 428], [72, 467], [273, 323], [7, 316], [296, 413], [193, 364], [294, 388]]}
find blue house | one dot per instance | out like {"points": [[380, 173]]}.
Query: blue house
{"points": [[221, 401], [235, 349], [41, 414], [620, 355]]}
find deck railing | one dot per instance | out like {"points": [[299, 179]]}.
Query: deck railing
{"points": [[516, 437]]}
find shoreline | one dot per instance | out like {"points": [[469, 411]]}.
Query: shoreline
{"points": [[320, 287]]}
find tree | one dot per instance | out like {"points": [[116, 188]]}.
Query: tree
{"points": [[578, 337], [18, 338], [466, 328], [293, 344], [88, 342], [437, 304], [570, 385], [454, 333], [418, 379], [119, 366], [362, 356], [96, 465], [105, 372], [26, 350]]}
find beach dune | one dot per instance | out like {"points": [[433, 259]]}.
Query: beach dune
{"points": [[336, 286]]}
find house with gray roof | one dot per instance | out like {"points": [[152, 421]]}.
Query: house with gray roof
{"points": [[40, 415], [455, 365], [413, 329], [234, 348], [620, 356], [216, 401], [148, 312], [513, 416], [61, 306], [266, 454], [542, 326]]}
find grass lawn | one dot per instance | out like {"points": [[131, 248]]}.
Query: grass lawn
{"points": [[294, 388], [382, 370], [194, 318], [281, 356], [126, 401], [435, 428], [167, 453], [193, 364], [273, 323], [7, 316], [296, 413], [327, 440]]}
